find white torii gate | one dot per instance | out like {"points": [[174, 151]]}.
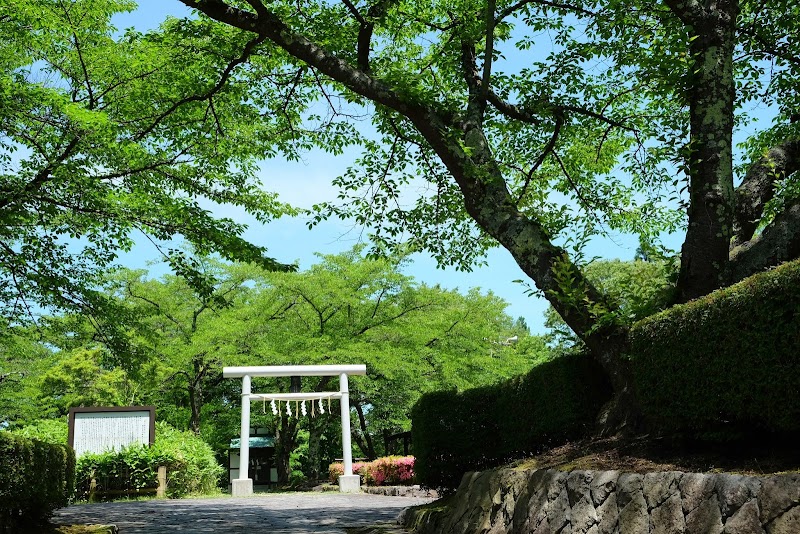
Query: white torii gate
{"points": [[348, 482]]}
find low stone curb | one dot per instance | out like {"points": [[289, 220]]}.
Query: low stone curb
{"points": [[389, 491], [401, 491]]}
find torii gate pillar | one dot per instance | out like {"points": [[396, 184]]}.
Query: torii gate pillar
{"points": [[243, 485], [348, 482]]}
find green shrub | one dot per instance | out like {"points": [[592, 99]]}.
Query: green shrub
{"points": [[35, 479], [455, 432], [725, 365], [191, 466]]}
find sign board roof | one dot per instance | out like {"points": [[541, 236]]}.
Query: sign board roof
{"points": [[260, 442]]}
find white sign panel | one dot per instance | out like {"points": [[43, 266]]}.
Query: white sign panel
{"points": [[101, 431]]}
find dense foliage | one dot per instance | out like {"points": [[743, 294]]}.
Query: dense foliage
{"points": [[35, 478], [455, 432], [22, 357], [726, 365], [190, 462]]}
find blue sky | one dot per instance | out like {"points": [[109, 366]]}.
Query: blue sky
{"points": [[304, 183]]}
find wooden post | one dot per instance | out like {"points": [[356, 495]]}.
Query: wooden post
{"points": [[92, 489], [161, 492]]}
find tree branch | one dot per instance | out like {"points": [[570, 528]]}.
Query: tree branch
{"points": [[353, 11], [476, 106], [599, 116], [246, 52], [488, 55], [157, 306], [364, 37], [44, 174], [558, 5], [297, 45], [551, 144], [393, 317], [523, 114], [771, 48], [512, 111]]}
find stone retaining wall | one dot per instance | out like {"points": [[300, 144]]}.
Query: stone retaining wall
{"points": [[549, 501]]}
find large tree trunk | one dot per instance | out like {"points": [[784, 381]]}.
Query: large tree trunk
{"points": [[285, 443], [758, 188], [195, 398], [621, 415], [710, 90], [461, 144], [362, 423], [316, 428]]}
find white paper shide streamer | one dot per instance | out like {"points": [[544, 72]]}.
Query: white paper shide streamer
{"points": [[299, 407]]}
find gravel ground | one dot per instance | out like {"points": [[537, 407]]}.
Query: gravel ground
{"points": [[284, 513]]}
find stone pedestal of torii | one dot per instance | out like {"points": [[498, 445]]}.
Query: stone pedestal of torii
{"points": [[348, 482]]}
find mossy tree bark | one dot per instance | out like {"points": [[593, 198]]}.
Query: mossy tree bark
{"points": [[710, 91]]}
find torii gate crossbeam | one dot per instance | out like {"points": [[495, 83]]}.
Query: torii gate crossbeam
{"points": [[348, 482]]}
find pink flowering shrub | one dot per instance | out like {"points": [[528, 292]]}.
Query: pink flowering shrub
{"points": [[387, 471], [336, 469], [391, 471]]}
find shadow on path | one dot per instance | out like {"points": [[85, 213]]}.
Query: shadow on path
{"points": [[287, 513]]}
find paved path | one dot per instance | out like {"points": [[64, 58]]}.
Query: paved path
{"points": [[283, 513]]}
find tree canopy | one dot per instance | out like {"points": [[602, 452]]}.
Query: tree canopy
{"points": [[109, 137]]}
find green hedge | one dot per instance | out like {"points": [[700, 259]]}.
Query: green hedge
{"points": [[726, 365], [35, 479], [455, 432]]}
